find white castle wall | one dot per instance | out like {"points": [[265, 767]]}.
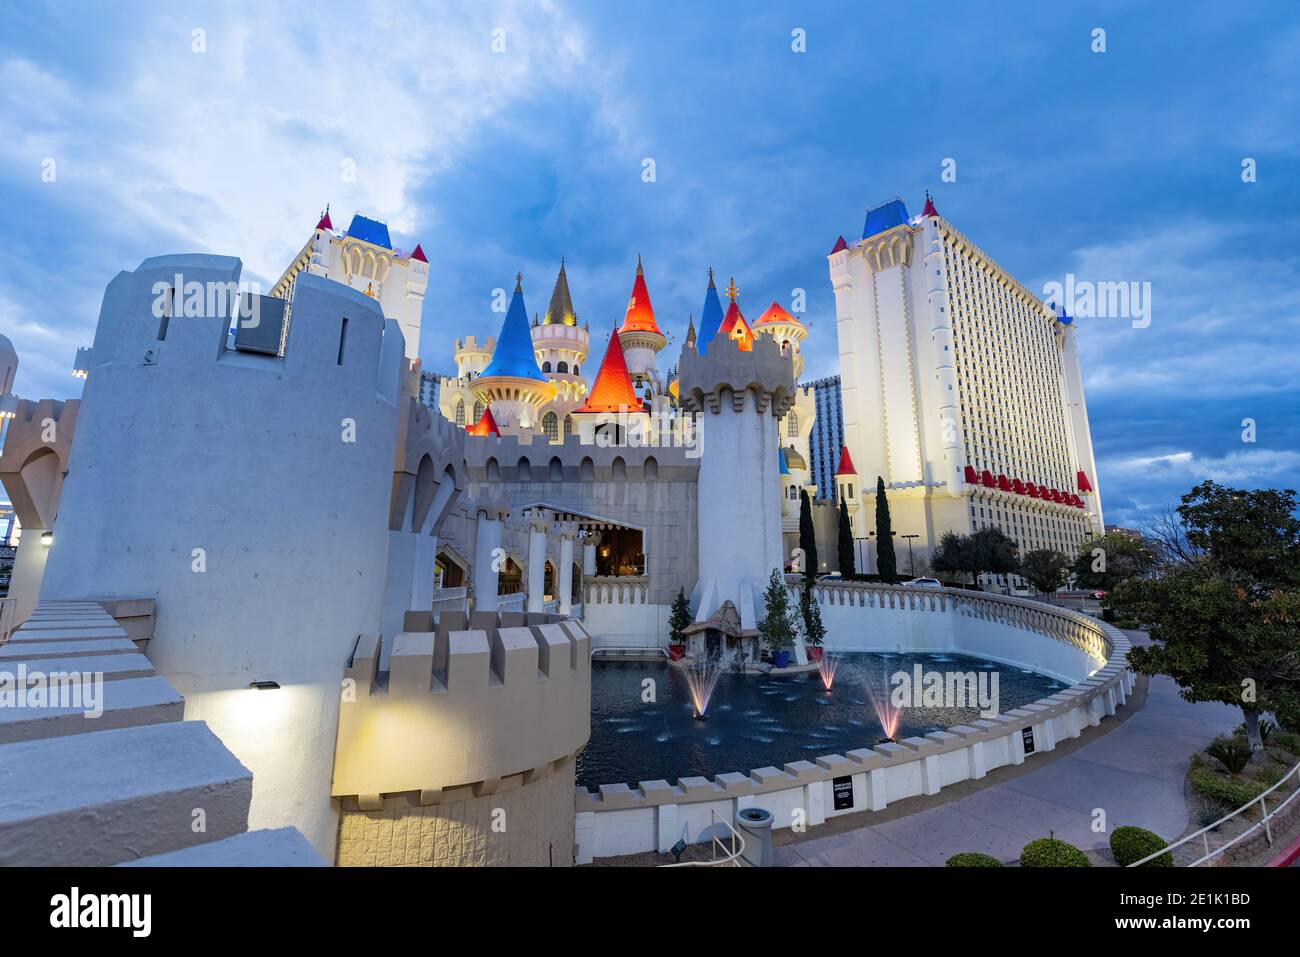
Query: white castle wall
{"points": [[187, 452]]}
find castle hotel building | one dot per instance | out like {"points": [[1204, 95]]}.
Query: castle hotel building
{"points": [[960, 388]]}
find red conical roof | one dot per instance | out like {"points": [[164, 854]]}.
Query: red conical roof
{"points": [[840, 246], [640, 314], [486, 425], [775, 313], [736, 327], [325, 221], [419, 254], [846, 463], [929, 207], [612, 391]]}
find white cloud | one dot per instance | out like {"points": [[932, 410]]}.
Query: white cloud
{"points": [[1248, 467]]}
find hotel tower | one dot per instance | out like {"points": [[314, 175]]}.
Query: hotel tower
{"points": [[961, 389]]}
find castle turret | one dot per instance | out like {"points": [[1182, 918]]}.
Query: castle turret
{"points": [[561, 347], [846, 481], [639, 333], [513, 384], [785, 329], [613, 409], [737, 396], [710, 315]]}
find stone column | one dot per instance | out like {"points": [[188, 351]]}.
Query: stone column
{"points": [[588, 555], [487, 549], [568, 532], [538, 526]]}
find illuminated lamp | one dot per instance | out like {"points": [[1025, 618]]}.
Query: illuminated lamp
{"points": [[264, 685], [47, 538]]}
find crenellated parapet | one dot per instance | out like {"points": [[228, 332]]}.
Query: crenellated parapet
{"points": [[472, 705], [531, 458], [37, 430], [726, 372], [429, 465]]}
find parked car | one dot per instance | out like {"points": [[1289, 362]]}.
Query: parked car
{"points": [[829, 577], [924, 583]]}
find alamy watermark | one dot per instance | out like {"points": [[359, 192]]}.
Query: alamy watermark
{"points": [[83, 691], [1102, 300], [197, 300], [946, 689]]}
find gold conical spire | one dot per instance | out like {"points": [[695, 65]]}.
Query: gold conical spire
{"points": [[561, 308]]}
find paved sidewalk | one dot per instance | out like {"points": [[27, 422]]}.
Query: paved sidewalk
{"points": [[1134, 772]]}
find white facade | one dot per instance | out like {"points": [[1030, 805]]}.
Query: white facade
{"points": [[947, 364], [249, 495]]}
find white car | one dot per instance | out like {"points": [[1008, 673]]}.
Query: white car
{"points": [[924, 583]]}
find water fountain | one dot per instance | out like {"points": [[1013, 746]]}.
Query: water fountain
{"points": [[701, 679], [826, 669], [888, 714]]}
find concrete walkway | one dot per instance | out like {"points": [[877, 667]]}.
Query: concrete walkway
{"points": [[1134, 773]]}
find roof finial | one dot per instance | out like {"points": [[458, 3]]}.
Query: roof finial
{"points": [[711, 286], [731, 290], [639, 270], [519, 282]]}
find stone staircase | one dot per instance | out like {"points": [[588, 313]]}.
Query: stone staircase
{"points": [[132, 784]]}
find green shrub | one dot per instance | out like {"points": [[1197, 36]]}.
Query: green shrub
{"points": [[1205, 812], [1129, 845], [1288, 741], [1232, 753], [1049, 852], [1229, 793], [1128, 624], [972, 859]]}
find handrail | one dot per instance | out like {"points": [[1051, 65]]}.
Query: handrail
{"points": [[731, 857], [1204, 832]]}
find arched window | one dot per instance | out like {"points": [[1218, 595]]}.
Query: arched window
{"points": [[568, 425], [562, 368], [587, 470], [792, 424], [546, 366], [620, 470], [551, 425], [460, 412], [478, 410], [577, 370]]}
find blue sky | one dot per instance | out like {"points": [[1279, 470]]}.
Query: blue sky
{"points": [[1115, 166]]}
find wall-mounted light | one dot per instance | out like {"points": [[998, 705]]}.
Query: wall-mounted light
{"points": [[264, 685], [47, 538]]}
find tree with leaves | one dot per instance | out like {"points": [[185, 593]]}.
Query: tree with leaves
{"points": [[1104, 561], [886, 562], [780, 622], [814, 632], [985, 552], [848, 568], [679, 618], [1225, 625], [1045, 568], [807, 537]]}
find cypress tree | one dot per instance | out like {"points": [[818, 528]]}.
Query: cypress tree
{"points": [[847, 568], [886, 563], [807, 537]]}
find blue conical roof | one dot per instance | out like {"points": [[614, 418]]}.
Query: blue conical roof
{"points": [[785, 465], [514, 354], [711, 317], [883, 217]]}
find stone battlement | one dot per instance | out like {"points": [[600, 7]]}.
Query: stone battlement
{"points": [[510, 690], [575, 460], [763, 370]]}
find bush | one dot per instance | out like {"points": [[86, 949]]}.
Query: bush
{"points": [[1232, 753], [1287, 741], [1205, 812], [1128, 624], [1049, 852], [1129, 845], [1229, 793], [972, 859]]}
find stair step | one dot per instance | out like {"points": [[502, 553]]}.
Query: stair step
{"points": [[281, 847], [112, 667], [17, 650], [112, 796], [66, 632], [126, 703]]}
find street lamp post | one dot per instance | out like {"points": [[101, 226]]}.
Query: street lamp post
{"points": [[911, 560]]}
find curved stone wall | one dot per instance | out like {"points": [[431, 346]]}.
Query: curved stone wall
{"points": [[1090, 655]]}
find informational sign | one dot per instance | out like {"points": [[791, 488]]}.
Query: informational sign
{"points": [[1027, 735], [842, 792]]}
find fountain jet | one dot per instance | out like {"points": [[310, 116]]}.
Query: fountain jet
{"points": [[826, 668], [888, 714], [701, 679]]}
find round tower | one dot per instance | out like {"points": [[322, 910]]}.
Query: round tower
{"points": [[561, 347], [786, 330], [945, 367], [737, 395], [512, 385], [639, 333]]}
